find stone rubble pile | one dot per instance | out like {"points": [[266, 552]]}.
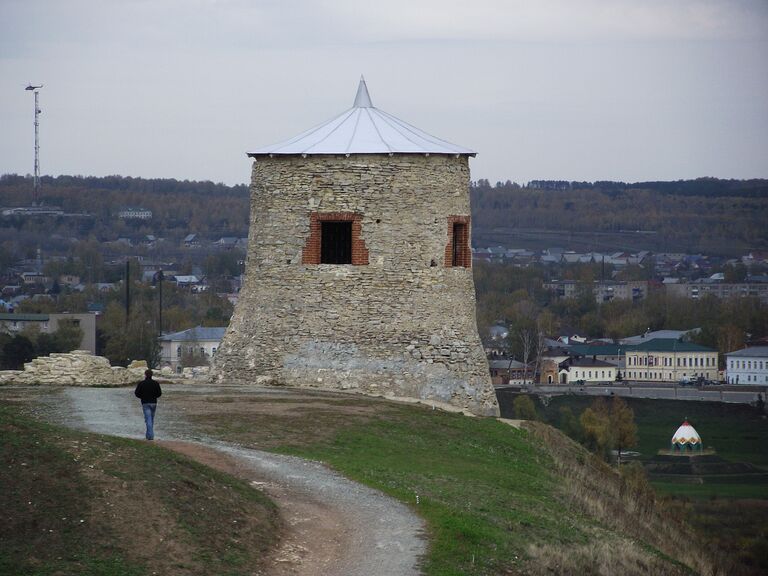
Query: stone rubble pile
{"points": [[77, 368]]}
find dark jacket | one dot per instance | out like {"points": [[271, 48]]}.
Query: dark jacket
{"points": [[148, 390]]}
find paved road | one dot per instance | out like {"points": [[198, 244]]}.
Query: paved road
{"points": [[364, 532]]}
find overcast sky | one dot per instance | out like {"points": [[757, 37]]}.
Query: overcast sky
{"points": [[542, 89]]}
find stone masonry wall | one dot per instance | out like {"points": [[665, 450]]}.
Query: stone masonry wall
{"points": [[399, 321], [77, 368]]}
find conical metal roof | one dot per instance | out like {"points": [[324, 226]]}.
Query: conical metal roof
{"points": [[363, 129]]}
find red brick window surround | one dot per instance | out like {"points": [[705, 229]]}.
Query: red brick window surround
{"points": [[313, 249], [457, 251]]}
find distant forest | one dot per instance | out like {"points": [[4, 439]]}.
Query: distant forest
{"points": [[179, 207], [709, 215]]}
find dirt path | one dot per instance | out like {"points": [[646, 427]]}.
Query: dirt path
{"points": [[333, 526]]}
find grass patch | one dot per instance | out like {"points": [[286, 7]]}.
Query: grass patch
{"points": [[713, 489], [84, 504], [736, 431], [493, 496], [483, 488], [739, 434]]}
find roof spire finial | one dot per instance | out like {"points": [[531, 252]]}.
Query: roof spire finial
{"points": [[362, 99]]}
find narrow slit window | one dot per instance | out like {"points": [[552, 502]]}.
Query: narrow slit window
{"points": [[459, 241], [336, 242]]}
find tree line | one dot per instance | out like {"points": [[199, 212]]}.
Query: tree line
{"points": [[18, 349], [683, 217], [178, 207]]}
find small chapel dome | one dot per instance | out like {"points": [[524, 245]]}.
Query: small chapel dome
{"points": [[686, 438]]}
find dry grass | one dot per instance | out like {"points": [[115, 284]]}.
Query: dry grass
{"points": [[81, 504], [601, 557], [625, 505]]}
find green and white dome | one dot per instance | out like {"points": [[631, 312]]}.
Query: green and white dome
{"points": [[686, 437]]}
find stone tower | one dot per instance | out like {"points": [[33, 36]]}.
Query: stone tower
{"points": [[358, 273]]}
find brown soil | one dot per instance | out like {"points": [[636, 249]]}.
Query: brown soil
{"points": [[276, 420]]}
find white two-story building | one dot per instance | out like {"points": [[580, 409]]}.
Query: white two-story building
{"points": [[747, 366], [194, 346]]}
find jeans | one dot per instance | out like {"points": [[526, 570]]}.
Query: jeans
{"points": [[149, 418]]}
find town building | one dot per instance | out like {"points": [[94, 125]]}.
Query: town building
{"points": [[659, 334], [670, 360], [586, 370], [747, 366], [551, 359], [195, 346], [131, 213], [134, 213], [505, 371], [13, 324], [612, 353], [360, 273], [699, 289], [603, 290], [33, 211]]}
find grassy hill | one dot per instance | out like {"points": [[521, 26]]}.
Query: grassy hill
{"points": [[88, 505], [729, 510], [497, 499]]}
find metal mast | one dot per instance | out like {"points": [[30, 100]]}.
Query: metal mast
{"points": [[36, 185]]}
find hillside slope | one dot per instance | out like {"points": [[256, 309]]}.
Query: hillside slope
{"points": [[77, 504], [497, 499]]}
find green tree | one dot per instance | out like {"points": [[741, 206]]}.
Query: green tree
{"points": [[569, 424], [609, 426], [524, 408], [68, 336], [735, 273], [17, 351]]}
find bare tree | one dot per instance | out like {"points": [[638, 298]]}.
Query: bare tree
{"points": [[527, 338]]}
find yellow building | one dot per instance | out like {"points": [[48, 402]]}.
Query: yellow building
{"points": [[670, 360]]}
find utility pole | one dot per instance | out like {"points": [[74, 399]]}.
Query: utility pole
{"points": [[127, 291], [36, 182], [158, 281]]}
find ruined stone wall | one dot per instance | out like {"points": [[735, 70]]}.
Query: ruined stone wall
{"points": [[77, 368], [402, 324]]}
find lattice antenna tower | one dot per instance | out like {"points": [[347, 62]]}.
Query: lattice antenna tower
{"points": [[36, 181]]}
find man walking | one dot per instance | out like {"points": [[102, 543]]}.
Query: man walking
{"points": [[148, 390]]}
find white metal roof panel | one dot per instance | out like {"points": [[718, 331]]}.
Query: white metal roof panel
{"points": [[363, 129]]}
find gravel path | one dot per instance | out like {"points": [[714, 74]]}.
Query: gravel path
{"points": [[334, 526]]}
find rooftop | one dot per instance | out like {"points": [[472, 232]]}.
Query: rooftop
{"points": [[601, 349], [751, 352], [363, 129], [24, 317], [586, 362], [196, 334], [656, 334], [668, 345]]}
